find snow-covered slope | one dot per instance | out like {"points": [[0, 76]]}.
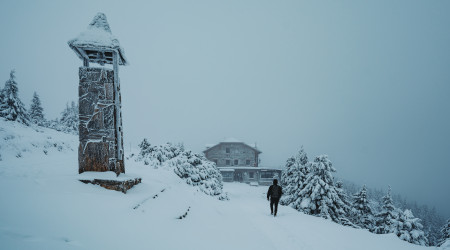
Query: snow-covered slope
{"points": [[44, 206]]}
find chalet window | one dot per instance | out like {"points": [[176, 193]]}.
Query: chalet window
{"points": [[247, 162], [227, 162], [236, 162], [251, 175], [227, 174], [266, 175], [227, 150]]}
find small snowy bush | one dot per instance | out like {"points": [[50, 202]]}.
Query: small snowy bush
{"points": [[409, 228], [194, 168], [156, 156]]}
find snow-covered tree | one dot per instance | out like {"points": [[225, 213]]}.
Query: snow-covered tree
{"points": [[361, 210], [347, 205], [69, 118], [319, 196], [198, 171], [408, 228], [36, 112], [287, 172], [11, 107], [388, 216], [156, 156], [293, 177], [288, 181], [431, 220], [343, 196], [444, 240]]}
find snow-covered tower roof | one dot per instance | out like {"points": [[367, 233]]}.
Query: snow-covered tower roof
{"points": [[97, 44]]}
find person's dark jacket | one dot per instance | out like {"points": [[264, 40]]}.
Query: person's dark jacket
{"points": [[275, 191]]}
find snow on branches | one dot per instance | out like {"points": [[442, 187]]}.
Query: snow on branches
{"points": [[386, 219], [195, 169], [362, 212], [310, 188], [444, 241], [36, 112], [11, 107], [293, 177], [319, 195], [408, 228]]}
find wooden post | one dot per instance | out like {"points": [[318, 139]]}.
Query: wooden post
{"points": [[85, 62], [117, 104]]}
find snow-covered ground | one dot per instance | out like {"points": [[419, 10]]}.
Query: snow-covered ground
{"points": [[44, 206]]}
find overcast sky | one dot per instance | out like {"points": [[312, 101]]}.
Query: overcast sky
{"points": [[366, 82]]}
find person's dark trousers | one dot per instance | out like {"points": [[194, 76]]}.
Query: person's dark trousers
{"points": [[274, 201]]}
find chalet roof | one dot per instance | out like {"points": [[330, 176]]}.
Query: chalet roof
{"points": [[97, 37], [231, 140]]}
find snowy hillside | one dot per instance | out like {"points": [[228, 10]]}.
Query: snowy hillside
{"points": [[44, 206]]}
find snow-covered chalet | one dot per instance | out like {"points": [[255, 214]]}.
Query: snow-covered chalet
{"points": [[239, 161]]}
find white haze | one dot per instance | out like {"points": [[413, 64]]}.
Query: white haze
{"points": [[366, 82]]}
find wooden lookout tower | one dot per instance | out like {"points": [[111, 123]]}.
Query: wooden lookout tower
{"points": [[100, 117]]}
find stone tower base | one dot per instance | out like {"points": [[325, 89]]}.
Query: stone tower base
{"points": [[98, 128]]}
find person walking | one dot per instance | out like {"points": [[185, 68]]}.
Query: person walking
{"points": [[274, 193]]}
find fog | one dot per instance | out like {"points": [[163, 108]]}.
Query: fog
{"points": [[366, 82]]}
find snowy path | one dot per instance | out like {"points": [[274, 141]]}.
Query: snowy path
{"points": [[294, 230], [252, 208]]}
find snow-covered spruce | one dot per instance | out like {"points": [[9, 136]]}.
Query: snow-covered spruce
{"points": [[319, 196], [345, 220], [11, 107], [293, 177], [194, 168], [36, 112], [444, 241], [408, 228], [362, 214], [286, 174], [432, 221], [387, 218]]}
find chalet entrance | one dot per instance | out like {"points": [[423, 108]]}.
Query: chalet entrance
{"points": [[238, 176]]}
